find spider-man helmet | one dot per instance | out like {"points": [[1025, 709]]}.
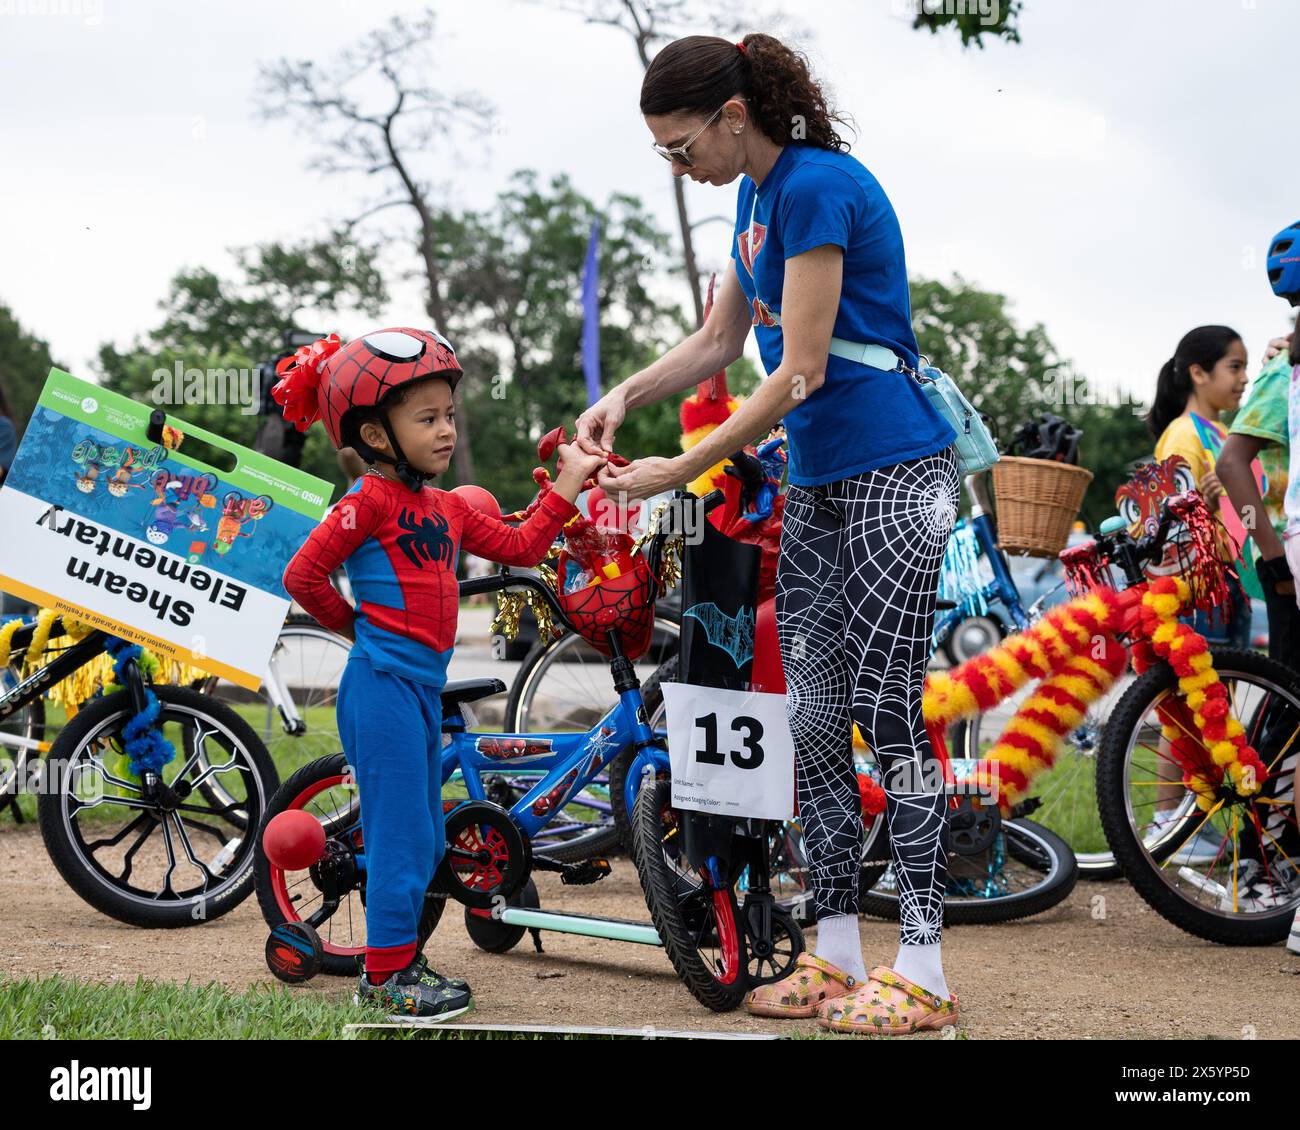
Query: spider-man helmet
{"points": [[323, 380]]}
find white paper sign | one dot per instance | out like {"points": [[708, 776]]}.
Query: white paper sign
{"points": [[100, 521], [731, 751]]}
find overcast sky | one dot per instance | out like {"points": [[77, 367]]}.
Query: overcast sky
{"points": [[1117, 174]]}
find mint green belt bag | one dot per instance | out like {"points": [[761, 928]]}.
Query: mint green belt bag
{"points": [[974, 446]]}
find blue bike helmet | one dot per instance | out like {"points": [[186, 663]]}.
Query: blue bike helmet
{"points": [[1284, 263]]}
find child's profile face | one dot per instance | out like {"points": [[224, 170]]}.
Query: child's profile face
{"points": [[425, 426], [1225, 384]]}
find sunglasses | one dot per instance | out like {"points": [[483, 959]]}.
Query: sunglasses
{"points": [[679, 152]]}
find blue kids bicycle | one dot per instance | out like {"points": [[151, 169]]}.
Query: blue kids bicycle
{"points": [[313, 894]]}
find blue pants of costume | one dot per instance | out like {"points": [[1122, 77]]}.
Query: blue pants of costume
{"points": [[392, 734]]}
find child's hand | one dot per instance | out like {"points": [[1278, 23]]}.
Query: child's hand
{"points": [[1211, 488], [578, 462]]}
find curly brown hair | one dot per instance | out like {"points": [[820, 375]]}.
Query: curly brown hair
{"points": [[698, 73]]}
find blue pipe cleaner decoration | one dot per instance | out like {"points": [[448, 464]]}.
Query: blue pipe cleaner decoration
{"points": [[960, 580], [147, 750]]}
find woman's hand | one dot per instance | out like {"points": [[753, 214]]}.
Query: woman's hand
{"points": [[597, 425], [1211, 489], [645, 478]]}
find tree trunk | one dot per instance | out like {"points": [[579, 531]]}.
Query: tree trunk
{"points": [[688, 251], [462, 458]]}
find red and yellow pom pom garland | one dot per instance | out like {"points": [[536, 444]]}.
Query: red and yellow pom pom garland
{"points": [[1073, 650], [1221, 748]]}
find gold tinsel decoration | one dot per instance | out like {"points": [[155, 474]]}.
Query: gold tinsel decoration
{"points": [[511, 604], [90, 677]]}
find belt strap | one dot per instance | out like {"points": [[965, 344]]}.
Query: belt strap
{"points": [[874, 356]]}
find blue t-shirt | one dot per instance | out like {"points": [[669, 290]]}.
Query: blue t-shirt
{"points": [[860, 418]]}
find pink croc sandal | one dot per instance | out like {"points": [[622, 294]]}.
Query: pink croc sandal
{"points": [[887, 1005], [813, 983]]}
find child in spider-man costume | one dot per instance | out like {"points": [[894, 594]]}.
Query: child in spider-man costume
{"points": [[388, 395]]}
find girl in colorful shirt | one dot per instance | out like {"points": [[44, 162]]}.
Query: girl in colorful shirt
{"points": [[1205, 378], [388, 395]]}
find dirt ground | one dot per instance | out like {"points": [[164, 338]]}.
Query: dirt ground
{"points": [[1112, 971]]}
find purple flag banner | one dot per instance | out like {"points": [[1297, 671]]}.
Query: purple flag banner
{"points": [[591, 317]]}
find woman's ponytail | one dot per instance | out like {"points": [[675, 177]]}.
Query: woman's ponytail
{"points": [[698, 73]]}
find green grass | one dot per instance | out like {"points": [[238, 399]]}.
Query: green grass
{"points": [[59, 1008], [1069, 794], [64, 1009]]}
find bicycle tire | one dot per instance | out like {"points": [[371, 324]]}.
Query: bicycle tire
{"points": [[1232, 929], [272, 893], [105, 718], [1063, 874], [680, 938]]}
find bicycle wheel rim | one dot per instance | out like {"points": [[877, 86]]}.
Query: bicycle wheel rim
{"points": [[290, 887], [241, 846], [1217, 889]]}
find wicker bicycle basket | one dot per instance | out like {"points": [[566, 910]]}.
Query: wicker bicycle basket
{"points": [[1037, 502]]}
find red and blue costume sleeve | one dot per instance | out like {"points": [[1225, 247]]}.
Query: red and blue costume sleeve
{"points": [[400, 551], [350, 522]]}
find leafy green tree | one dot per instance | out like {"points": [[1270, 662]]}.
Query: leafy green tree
{"points": [[25, 362], [372, 113], [229, 327], [1012, 375], [514, 276], [1000, 19]]}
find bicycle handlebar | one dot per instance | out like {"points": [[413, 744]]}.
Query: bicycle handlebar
{"points": [[505, 579], [1130, 553]]}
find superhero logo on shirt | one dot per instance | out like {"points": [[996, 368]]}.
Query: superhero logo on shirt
{"points": [[425, 541], [758, 232], [764, 315]]}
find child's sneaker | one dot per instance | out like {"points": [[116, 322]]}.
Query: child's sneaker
{"points": [[416, 993], [454, 982]]}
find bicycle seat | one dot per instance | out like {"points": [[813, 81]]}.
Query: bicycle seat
{"points": [[468, 690]]}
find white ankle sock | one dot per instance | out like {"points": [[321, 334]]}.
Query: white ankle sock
{"points": [[839, 943], [922, 965]]}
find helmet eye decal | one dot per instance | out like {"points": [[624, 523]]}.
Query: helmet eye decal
{"points": [[327, 379], [393, 345]]}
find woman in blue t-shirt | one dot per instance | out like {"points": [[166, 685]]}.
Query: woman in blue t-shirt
{"points": [[820, 278]]}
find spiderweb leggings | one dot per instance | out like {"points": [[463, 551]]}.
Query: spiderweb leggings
{"points": [[856, 585]]}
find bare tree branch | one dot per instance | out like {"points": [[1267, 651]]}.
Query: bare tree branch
{"points": [[372, 115]]}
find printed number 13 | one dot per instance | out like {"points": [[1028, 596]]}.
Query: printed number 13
{"points": [[750, 758]]}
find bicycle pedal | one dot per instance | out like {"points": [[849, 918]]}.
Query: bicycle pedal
{"points": [[585, 873]]}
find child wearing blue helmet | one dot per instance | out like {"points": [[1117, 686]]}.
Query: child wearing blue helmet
{"points": [[1260, 429], [1269, 424]]}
